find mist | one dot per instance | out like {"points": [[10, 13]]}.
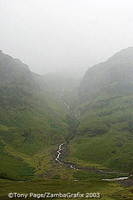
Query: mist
{"points": [[65, 35]]}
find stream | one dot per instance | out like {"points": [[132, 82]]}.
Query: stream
{"points": [[75, 167], [59, 153]]}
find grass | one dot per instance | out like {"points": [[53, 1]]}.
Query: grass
{"points": [[28, 138], [13, 167], [108, 191], [105, 134]]}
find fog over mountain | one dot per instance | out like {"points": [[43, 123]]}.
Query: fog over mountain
{"points": [[66, 99], [113, 77], [65, 36]]}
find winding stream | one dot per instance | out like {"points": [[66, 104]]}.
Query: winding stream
{"points": [[58, 158], [59, 151], [73, 166], [76, 167]]}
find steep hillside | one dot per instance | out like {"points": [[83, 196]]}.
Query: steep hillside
{"points": [[112, 78], [31, 120], [106, 115]]}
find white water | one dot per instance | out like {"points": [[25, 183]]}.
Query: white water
{"points": [[59, 153], [67, 106], [116, 179]]}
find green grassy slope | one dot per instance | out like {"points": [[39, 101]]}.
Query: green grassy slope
{"points": [[31, 121], [106, 115]]}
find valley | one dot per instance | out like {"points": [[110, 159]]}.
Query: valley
{"points": [[58, 134]]}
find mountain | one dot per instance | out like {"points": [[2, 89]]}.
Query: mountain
{"points": [[16, 81], [105, 133], [37, 113], [31, 121], [113, 77], [43, 118]]}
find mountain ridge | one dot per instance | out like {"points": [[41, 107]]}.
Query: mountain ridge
{"points": [[116, 70], [31, 121], [105, 110]]}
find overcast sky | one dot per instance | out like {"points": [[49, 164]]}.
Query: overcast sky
{"points": [[50, 35]]}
